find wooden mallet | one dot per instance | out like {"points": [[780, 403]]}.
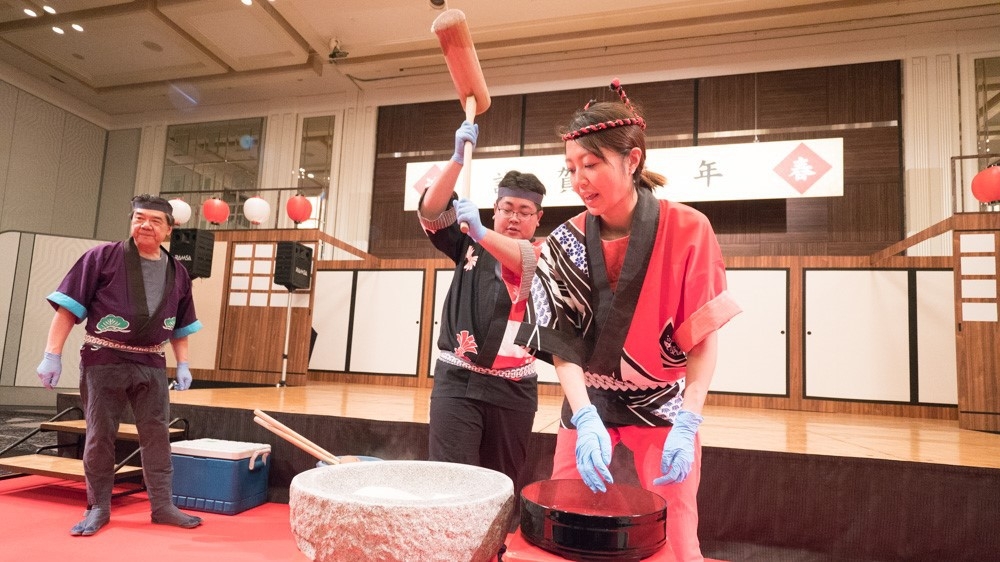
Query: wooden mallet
{"points": [[460, 53]]}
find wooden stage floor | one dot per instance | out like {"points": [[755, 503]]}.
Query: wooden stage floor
{"points": [[813, 433], [849, 486]]}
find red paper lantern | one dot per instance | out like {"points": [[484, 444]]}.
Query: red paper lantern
{"points": [[299, 208], [215, 210], [986, 184]]}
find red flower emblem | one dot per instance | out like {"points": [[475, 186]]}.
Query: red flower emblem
{"points": [[466, 343]]}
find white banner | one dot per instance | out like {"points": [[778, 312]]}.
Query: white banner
{"points": [[724, 172]]}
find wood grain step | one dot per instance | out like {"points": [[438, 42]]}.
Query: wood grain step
{"points": [[126, 431], [58, 467]]}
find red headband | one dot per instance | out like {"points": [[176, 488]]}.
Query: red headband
{"points": [[587, 129]]}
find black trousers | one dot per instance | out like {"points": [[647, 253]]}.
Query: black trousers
{"points": [[106, 390], [474, 432]]}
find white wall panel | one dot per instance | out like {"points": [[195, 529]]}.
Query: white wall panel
{"points": [[348, 216], [52, 259], [937, 373], [33, 171], [753, 346], [78, 187], [208, 302], [8, 108], [857, 335], [386, 334], [8, 266], [117, 184], [331, 319], [442, 282], [149, 168]]}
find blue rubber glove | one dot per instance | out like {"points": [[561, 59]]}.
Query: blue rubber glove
{"points": [[593, 448], [678, 450], [467, 132], [49, 369], [183, 376], [468, 212]]}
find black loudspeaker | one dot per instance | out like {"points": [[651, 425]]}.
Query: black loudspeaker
{"points": [[193, 248], [293, 265]]}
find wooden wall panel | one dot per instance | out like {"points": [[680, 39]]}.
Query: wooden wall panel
{"points": [[864, 93], [792, 98], [245, 348], [669, 110], [977, 337], [872, 155], [725, 103], [426, 133], [545, 114], [859, 103]]}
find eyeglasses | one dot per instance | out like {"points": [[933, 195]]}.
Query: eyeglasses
{"points": [[508, 213]]}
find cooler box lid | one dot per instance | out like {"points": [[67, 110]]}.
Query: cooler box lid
{"points": [[218, 448]]}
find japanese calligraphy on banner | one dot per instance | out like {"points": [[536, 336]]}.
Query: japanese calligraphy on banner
{"points": [[725, 172]]}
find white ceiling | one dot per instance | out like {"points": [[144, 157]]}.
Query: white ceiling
{"points": [[154, 55]]}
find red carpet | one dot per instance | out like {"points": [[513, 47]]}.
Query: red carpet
{"points": [[36, 514]]}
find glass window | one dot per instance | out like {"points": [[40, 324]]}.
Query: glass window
{"points": [[988, 105], [315, 157], [987, 90], [219, 158], [988, 108]]}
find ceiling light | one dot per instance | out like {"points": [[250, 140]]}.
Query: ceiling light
{"points": [[58, 30], [247, 2], [30, 12], [77, 27], [49, 9]]}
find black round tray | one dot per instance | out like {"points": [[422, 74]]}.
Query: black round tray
{"points": [[626, 523]]}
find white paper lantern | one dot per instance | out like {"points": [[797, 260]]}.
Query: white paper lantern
{"points": [[256, 210], [182, 211]]}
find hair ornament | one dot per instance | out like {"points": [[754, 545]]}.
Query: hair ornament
{"points": [[636, 120]]}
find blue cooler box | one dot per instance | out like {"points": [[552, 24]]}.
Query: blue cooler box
{"points": [[219, 476]]}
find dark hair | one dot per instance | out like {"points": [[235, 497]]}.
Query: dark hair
{"points": [[154, 203], [524, 182], [619, 139]]}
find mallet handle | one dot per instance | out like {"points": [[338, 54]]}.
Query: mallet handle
{"points": [[465, 181], [294, 441], [283, 431]]}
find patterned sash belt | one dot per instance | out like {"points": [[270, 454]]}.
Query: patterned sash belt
{"points": [[94, 340], [611, 383], [515, 374]]}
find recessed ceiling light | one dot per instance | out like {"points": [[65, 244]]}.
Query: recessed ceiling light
{"points": [[58, 30], [30, 12], [49, 9], [77, 27], [247, 2]]}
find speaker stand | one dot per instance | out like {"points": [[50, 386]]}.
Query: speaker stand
{"points": [[288, 330]]}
